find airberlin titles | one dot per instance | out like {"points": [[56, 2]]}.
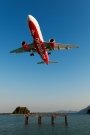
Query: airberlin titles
{"points": [[38, 44]]}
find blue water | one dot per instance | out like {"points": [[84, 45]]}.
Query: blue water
{"points": [[78, 124]]}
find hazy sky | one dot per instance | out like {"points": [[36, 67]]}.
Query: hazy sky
{"points": [[52, 87]]}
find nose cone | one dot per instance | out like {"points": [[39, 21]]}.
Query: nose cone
{"points": [[29, 17]]}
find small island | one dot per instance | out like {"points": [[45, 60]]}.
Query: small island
{"points": [[21, 110]]}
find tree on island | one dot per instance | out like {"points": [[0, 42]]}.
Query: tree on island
{"points": [[21, 110]]}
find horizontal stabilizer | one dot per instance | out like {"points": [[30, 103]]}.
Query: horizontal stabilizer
{"points": [[50, 62], [42, 62]]}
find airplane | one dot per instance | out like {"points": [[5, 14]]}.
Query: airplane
{"points": [[39, 45]]}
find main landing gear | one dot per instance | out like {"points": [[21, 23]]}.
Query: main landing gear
{"points": [[31, 54], [49, 53]]}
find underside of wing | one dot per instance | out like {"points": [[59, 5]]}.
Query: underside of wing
{"points": [[31, 48], [59, 46], [19, 50], [65, 46]]}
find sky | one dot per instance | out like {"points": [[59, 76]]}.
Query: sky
{"points": [[45, 88]]}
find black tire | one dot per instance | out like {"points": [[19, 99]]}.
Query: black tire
{"points": [[31, 54], [49, 53]]}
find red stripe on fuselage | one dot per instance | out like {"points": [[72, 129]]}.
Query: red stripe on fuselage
{"points": [[39, 45]]}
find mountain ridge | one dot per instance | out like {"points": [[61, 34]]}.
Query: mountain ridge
{"points": [[64, 111], [82, 111], [85, 110]]}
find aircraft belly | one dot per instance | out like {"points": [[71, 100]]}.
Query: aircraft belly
{"points": [[40, 49]]}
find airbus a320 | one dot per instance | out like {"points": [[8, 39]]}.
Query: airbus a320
{"points": [[39, 45]]}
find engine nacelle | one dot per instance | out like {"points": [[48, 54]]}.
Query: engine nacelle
{"points": [[52, 42], [25, 45]]}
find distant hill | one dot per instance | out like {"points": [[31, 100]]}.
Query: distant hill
{"points": [[85, 110], [63, 111], [21, 110]]}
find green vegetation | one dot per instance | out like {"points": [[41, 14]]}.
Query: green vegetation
{"points": [[21, 110]]}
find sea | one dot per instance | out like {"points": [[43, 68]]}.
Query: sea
{"points": [[78, 124]]}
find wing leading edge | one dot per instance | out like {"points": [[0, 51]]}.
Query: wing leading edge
{"points": [[21, 49], [59, 46]]}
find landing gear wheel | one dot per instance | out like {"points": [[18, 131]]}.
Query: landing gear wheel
{"points": [[31, 54], [49, 53]]}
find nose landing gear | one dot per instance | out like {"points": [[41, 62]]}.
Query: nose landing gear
{"points": [[31, 54]]}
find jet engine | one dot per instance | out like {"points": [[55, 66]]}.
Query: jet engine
{"points": [[52, 42], [25, 45]]}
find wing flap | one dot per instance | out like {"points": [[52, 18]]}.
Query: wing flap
{"points": [[21, 50], [65, 46], [60, 46]]}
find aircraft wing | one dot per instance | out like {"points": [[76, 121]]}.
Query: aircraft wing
{"points": [[21, 49], [59, 46]]}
